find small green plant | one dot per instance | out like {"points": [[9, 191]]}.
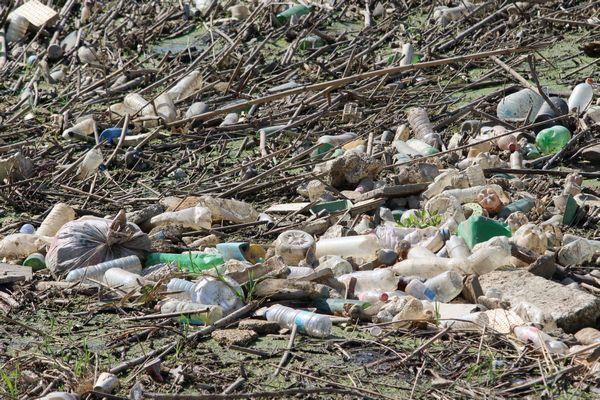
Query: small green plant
{"points": [[10, 382], [83, 362], [421, 219]]}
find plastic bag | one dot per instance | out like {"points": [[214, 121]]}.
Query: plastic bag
{"points": [[89, 241]]}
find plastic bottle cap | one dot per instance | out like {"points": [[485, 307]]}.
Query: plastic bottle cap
{"points": [[512, 147], [384, 296]]}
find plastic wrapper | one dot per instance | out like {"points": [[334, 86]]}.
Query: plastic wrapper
{"points": [[89, 241]]}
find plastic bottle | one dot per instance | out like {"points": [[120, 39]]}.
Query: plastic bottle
{"points": [[27, 228], [457, 248], [314, 42], [405, 150], [382, 279], [436, 241], [86, 12], [106, 382], [293, 245], [307, 322], [112, 135], [196, 108], [60, 396], [523, 205], [539, 339], [445, 286], [136, 103], [515, 107], [337, 264], [60, 214], [531, 151], [223, 292], [96, 272], [295, 11], [230, 119], [85, 127], [90, 163], [419, 290], [231, 210], [578, 251], [194, 218], [362, 246], [552, 140], [299, 272], [192, 262], [516, 160], [36, 261], [425, 267], [17, 28], [195, 313], [420, 252], [581, 97], [531, 237], [337, 140], [374, 295], [546, 112], [419, 122], [444, 15], [124, 280], [186, 288], [408, 52], [203, 6], [87, 56], [422, 147], [165, 107], [507, 142]]}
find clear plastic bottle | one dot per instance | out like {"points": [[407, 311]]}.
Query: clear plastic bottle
{"points": [[408, 52], [419, 122], [382, 279], [17, 28], [136, 103], [444, 15], [165, 107], [194, 218], [457, 248], [337, 264], [90, 163], [186, 85], [308, 323], [507, 142], [470, 195], [86, 127], [374, 295], [106, 382], [60, 214], [362, 246], [577, 252], [426, 267], [588, 336], [196, 314], [230, 119], [581, 97], [231, 210], [539, 339], [420, 252], [422, 147], [516, 160], [87, 56], [445, 286], [337, 140], [124, 280], [419, 290], [224, 292], [96, 272], [531, 237]]}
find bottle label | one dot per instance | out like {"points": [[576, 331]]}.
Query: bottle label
{"points": [[429, 294], [301, 318]]}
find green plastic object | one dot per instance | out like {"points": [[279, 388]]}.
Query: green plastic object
{"points": [[531, 152], [552, 140], [478, 229], [36, 261], [192, 262], [332, 206], [524, 205], [298, 10], [570, 211]]}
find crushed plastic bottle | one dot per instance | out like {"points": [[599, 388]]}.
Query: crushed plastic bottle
{"points": [[124, 280], [60, 214], [194, 218], [515, 107], [91, 162], [192, 313], [379, 279], [540, 339]]}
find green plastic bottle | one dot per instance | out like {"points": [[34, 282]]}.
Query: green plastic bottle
{"points": [[524, 205], [478, 229], [531, 152], [552, 140], [298, 10], [192, 262]]}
